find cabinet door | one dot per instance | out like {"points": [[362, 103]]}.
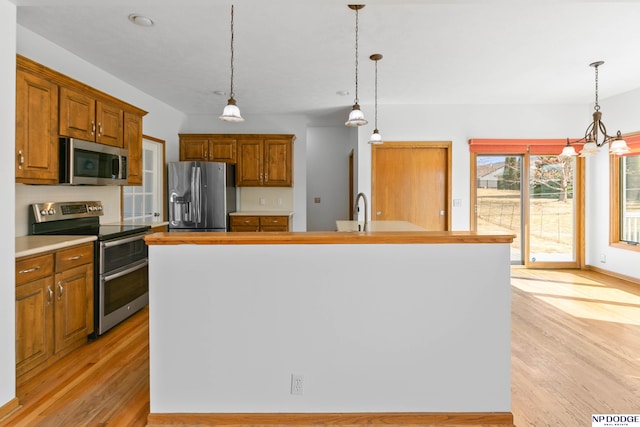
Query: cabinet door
{"points": [[36, 130], [222, 150], [278, 161], [194, 150], [133, 143], [73, 306], [34, 324], [77, 115], [245, 223], [274, 223], [109, 120], [249, 172]]}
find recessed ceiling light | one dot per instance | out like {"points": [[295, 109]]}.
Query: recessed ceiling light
{"points": [[141, 20], [343, 92]]}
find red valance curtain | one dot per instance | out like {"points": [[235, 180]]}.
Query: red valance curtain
{"points": [[518, 146], [537, 146]]}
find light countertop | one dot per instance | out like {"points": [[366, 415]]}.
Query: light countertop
{"points": [[261, 213], [32, 245], [141, 223], [378, 226]]}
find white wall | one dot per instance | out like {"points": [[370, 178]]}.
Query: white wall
{"points": [[284, 124], [162, 122], [328, 151], [7, 178], [618, 113], [459, 123], [386, 327]]}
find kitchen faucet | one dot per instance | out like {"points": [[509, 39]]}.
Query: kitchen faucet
{"points": [[356, 210]]}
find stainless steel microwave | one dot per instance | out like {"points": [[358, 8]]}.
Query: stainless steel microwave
{"points": [[89, 163]]}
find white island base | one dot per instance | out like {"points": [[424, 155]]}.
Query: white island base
{"points": [[403, 331]]}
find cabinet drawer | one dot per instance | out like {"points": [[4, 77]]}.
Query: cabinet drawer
{"points": [[72, 257], [253, 221], [274, 221], [28, 269]]}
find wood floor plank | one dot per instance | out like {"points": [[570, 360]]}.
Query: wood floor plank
{"points": [[575, 352]]}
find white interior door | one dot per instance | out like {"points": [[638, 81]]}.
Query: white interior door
{"points": [[145, 203]]}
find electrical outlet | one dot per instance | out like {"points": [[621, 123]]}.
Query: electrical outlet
{"points": [[262, 201], [603, 258], [297, 382]]}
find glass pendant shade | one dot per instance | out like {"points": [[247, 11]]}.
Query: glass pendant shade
{"points": [[589, 149], [568, 151], [231, 112], [375, 138], [618, 146], [356, 117]]}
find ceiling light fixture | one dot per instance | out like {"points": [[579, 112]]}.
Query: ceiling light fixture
{"points": [[593, 140], [376, 138], [231, 112], [356, 117], [141, 20]]}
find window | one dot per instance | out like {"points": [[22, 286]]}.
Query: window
{"points": [[625, 196]]}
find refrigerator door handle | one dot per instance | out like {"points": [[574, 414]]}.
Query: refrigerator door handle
{"points": [[196, 193]]}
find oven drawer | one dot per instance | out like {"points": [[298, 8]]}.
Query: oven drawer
{"points": [[28, 269], [73, 257]]}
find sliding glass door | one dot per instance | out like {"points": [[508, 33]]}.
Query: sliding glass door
{"points": [[534, 197], [552, 209], [499, 199]]}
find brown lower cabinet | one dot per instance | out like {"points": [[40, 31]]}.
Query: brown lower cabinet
{"points": [[54, 306], [260, 223]]}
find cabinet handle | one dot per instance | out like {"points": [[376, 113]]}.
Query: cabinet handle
{"points": [[29, 270], [61, 289], [266, 177], [93, 127], [50, 295], [99, 129], [75, 258], [20, 159]]}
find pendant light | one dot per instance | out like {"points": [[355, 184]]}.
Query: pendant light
{"points": [[231, 112], [356, 117], [596, 134], [376, 138]]}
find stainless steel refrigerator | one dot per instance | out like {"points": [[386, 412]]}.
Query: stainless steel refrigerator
{"points": [[201, 195]]}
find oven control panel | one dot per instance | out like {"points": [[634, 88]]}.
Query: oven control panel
{"points": [[55, 211]]}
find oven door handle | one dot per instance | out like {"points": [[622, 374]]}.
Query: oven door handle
{"points": [[137, 266], [118, 242]]}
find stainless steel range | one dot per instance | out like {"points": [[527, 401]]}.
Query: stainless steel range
{"points": [[121, 278]]}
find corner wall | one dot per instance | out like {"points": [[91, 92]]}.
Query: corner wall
{"points": [[7, 178]]}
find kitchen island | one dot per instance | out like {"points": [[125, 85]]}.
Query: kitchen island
{"points": [[345, 328]]}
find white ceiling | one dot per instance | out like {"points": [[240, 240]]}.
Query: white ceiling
{"points": [[294, 55]]}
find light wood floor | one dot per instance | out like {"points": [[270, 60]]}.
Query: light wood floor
{"points": [[575, 352]]}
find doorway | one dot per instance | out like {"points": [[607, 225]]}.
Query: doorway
{"points": [[411, 181]]}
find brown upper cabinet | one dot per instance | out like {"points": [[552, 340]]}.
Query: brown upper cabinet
{"points": [[36, 129], [50, 105], [84, 117], [262, 160], [133, 143], [265, 160], [208, 148]]}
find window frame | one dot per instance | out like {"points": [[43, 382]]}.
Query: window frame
{"points": [[633, 140]]}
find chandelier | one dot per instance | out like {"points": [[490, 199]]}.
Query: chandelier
{"points": [[596, 134], [231, 112], [356, 117], [376, 138]]}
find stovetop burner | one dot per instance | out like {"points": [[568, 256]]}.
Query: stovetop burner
{"points": [[78, 219]]}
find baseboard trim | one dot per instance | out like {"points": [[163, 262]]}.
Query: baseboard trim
{"points": [[633, 280], [9, 407], [334, 419]]}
